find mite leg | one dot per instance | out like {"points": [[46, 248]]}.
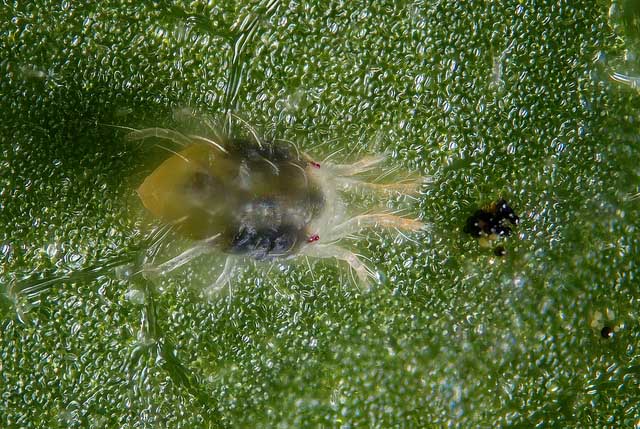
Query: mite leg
{"points": [[230, 267], [360, 166], [364, 273], [407, 187], [162, 133], [632, 81], [361, 222], [200, 248]]}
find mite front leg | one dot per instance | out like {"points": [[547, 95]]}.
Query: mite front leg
{"points": [[406, 187], [364, 273], [360, 166], [361, 222]]}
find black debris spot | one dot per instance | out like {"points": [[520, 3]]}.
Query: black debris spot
{"points": [[500, 251], [492, 221], [606, 332]]}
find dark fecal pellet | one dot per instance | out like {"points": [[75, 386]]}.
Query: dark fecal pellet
{"points": [[492, 220], [503, 211], [606, 332], [500, 251], [478, 223], [502, 230]]}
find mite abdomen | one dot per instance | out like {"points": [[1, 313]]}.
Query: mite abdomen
{"points": [[260, 199], [161, 192]]}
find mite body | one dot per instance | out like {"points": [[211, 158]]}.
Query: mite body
{"points": [[261, 200], [257, 200]]}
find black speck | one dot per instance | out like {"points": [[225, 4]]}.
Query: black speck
{"points": [[492, 220], [503, 211], [500, 251], [606, 332]]}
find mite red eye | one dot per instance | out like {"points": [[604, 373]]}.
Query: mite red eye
{"points": [[314, 237], [315, 164]]}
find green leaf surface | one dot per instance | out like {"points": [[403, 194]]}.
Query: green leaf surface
{"points": [[532, 101]]}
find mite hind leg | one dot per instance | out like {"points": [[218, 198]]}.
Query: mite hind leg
{"points": [[162, 133], [361, 222], [224, 278], [366, 275]]}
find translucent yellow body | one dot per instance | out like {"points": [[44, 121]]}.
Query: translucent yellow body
{"points": [[260, 200]]}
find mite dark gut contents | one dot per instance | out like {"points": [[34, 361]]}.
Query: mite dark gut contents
{"points": [[492, 220]]}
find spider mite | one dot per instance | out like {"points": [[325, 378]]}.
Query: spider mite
{"points": [[261, 200]]}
